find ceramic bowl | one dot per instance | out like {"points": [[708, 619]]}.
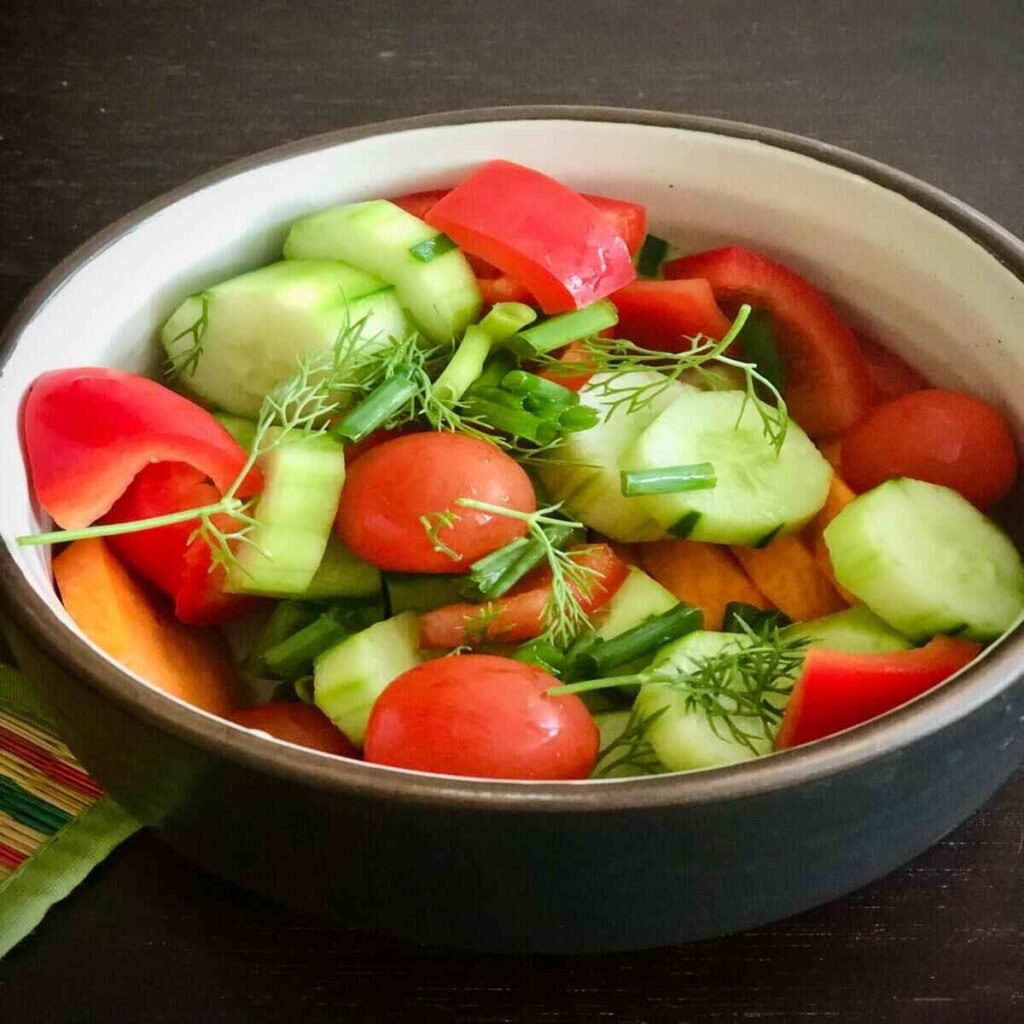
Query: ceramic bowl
{"points": [[557, 867]]}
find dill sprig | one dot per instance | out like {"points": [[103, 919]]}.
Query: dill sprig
{"points": [[617, 359], [571, 582], [742, 688], [185, 363], [433, 523], [631, 749]]}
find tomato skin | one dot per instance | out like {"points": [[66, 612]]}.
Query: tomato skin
{"points": [[828, 384], [837, 690], [538, 232], [298, 723], [665, 315], [169, 557], [481, 716], [89, 430], [519, 615], [392, 486], [943, 437], [503, 289]]}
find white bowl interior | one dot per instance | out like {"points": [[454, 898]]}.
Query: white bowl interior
{"points": [[902, 273]]}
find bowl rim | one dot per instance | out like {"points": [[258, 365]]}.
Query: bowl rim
{"points": [[1001, 666]]}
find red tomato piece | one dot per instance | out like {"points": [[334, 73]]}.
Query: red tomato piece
{"points": [[168, 557], [828, 386], [390, 489], [419, 204], [572, 354], [538, 232], [891, 376], [503, 289], [519, 615], [838, 690], [481, 716], [666, 315], [373, 440], [298, 723], [944, 437], [89, 431]]}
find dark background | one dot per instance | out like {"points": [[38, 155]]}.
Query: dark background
{"points": [[103, 105]]}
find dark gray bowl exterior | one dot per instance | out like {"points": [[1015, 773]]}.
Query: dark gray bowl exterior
{"points": [[546, 868]]}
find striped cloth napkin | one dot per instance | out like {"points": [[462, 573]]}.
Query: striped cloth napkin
{"points": [[55, 823]]}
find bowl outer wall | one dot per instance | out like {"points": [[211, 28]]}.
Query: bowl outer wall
{"points": [[797, 830]]}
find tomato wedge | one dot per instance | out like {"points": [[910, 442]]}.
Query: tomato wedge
{"points": [[828, 383], [169, 557], [538, 232], [88, 432], [838, 690], [666, 315], [520, 615]]}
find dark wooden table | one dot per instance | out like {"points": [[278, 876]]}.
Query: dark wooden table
{"points": [[106, 104]]}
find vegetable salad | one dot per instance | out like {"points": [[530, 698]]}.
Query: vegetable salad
{"points": [[493, 482]]}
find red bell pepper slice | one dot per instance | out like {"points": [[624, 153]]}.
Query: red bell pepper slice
{"points": [[665, 315], [503, 289], [828, 384], [89, 431], [572, 354], [627, 220], [891, 376], [419, 204], [538, 232], [519, 615], [168, 556], [838, 690]]}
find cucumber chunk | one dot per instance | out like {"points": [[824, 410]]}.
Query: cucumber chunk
{"points": [[440, 295], [759, 494], [614, 764], [683, 736], [592, 489], [927, 561], [248, 333], [348, 679], [636, 600], [242, 430], [342, 574], [856, 630], [302, 481]]}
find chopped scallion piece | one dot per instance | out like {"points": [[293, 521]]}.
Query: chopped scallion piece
{"points": [[379, 406], [543, 654], [465, 366], [507, 318], [430, 248], [565, 328], [699, 476], [524, 383]]}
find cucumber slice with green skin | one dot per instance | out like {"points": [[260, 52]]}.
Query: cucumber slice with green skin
{"points": [[760, 493], [592, 489], [683, 736], [348, 679], [927, 561], [342, 574], [242, 430], [857, 630], [440, 295], [415, 593], [635, 601], [254, 328], [611, 725], [302, 481]]}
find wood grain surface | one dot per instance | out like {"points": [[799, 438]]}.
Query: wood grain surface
{"points": [[104, 105]]}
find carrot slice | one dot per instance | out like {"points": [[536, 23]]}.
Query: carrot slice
{"points": [[788, 574], [704, 575], [839, 496], [127, 622]]}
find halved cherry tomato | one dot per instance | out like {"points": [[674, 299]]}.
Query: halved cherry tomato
{"points": [[391, 488], [169, 557], [944, 437], [577, 352], [828, 386], [481, 716], [88, 431], [538, 232], [665, 315], [520, 614], [298, 723], [837, 690], [891, 376]]}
